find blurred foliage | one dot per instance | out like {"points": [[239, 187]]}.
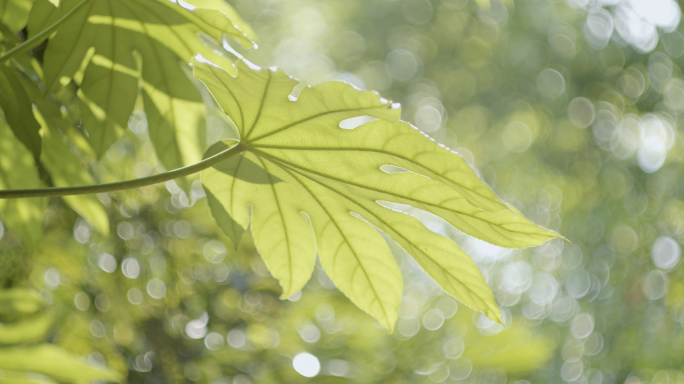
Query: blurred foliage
{"points": [[26, 322], [568, 117]]}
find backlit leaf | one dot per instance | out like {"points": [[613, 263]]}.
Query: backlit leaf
{"points": [[17, 171], [107, 38], [14, 13], [66, 170], [16, 107], [300, 172]]}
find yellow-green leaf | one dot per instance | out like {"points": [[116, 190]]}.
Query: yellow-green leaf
{"points": [[297, 165], [18, 171], [160, 32], [17, 377], [16, 107], [55, 362], [66, 170], [14, 13], [26, 330], [19, 301]]}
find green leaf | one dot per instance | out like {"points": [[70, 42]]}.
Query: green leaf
{"points": [[163, 35], [66, 170], [26, 330], [18, 171], [299, 167], [17, 109], [53, 361], [15, 377], [230, 227], [14, 13], [19, 301]]}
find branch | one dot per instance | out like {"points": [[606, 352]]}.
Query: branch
{"points": [[37, 39], [122, 185]]}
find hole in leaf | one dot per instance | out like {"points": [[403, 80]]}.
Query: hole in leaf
{"points": [[356, 122], [187, 6], [296, 91], [392, 169], [429, 220]]}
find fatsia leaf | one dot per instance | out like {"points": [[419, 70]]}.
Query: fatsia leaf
{"points": [[14, 13], [55, 362], [301, 172], [106, 38], [16, 107], [18, 171]]}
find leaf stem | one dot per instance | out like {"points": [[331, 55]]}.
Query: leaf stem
{"points": [[37, 39], [123, 185]]}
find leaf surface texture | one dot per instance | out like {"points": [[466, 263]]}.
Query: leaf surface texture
{"points": [[302, 177]]}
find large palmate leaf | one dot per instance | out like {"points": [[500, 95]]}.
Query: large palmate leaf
{"points": [[306, 178], [112, 48]]}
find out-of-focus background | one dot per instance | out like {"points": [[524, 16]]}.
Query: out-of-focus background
{"points": [[569, 109]]}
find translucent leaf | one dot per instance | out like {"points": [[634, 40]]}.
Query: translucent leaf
{"points": [[301, 173], [14, 13], [66, 170], [121, 44], [16, 107], [17, 171], [55, 362]]}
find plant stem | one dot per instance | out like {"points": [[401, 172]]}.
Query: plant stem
{"points": [[122, 185], [37, 39]]}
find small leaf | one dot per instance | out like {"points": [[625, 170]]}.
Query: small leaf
{"points": [[16, 377], [19, 301], [55, 362], [66, 170], [299, 163], [18, 171], [17, 109], [27, 330], [229, 226]]}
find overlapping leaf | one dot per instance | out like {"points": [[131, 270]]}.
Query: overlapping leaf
{"points": [[17, 171], [110, 47], [314, 187], [16, 107], [14, 13], [21, 363]]}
